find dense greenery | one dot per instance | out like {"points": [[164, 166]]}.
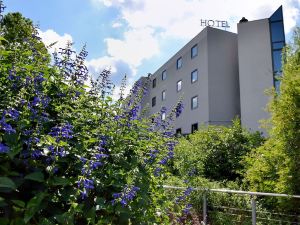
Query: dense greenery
{"points": [[68, 153], [215, 152], [275, 166]]}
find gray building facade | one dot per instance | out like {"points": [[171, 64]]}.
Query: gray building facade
{"points": [[219, 75]]}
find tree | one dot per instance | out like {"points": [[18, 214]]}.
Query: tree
{"points": [[215, 152], [275, 166]]}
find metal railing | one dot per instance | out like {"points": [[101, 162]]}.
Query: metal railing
{"points": [[253, 196]]}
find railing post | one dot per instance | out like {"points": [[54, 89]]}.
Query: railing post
{"points": [[204, 209], [253, 206]]}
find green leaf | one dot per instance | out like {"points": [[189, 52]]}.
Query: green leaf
{"points": [[45, 221], [56, 181], [19, 203], [4, 221], [33, 206], [5, 182], [36, 176]]}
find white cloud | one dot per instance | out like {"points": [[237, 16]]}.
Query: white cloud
{"points": [[116, 66], [117, 25], [137, 45], [181, 18], [116, 92], [50, 36]]}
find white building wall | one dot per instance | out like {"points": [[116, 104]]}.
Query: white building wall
{"points": [[255, 71]]}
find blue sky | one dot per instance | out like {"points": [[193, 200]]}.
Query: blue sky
{"points": [[135, 37]]}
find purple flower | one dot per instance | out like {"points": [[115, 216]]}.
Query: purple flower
{"points": [[157, 171], [66, 131], [54, 132], [45, 101], [36, 101], [6, 127], [85, 185], [164, 161], [187, 209], [178, 109], [55, 170], [39, 79], [100, 156], [36, 154], [3, 148], [127, 195], [95, 164], [14, 114]]}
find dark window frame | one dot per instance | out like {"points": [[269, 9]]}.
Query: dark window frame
{"points": [[177, 65], [178, 131], [196, 96], [153, 101], [194, 47], [162, 75], [196, 70], [194, 127], [154, 83]]}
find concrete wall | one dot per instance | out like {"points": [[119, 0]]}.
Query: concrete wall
{"points": [[223, 79], [200, 88], [255, 71], [217, 85]]}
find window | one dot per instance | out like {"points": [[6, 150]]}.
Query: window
{"points": [[179, 85], [194, 102], [164, 75], [194, 76], [163, 95], [153, 101], [163, 116], [154, 83], [178, 131], [179, 63], [194, 127], [194, 51]]}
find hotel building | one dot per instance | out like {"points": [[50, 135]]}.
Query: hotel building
{"points": [[221, 75]]}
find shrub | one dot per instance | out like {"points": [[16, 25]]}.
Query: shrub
{"points": [[68, 152]]}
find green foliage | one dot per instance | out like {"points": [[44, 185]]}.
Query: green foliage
{"points": [[274, 167], [215, 152]]}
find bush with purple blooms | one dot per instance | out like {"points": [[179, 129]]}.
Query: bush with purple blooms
{"points": [[68, 152]]}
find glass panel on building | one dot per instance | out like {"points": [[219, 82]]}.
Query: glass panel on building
{"points": [[278, 45], [194, 102], [277, 15], [179, 85], [154, 83], [277, 64], [194, 127], [278, 42], [194, 51], [277, 31], [164, 75], [153, 101], [163, 95], [179, 63], [194, 76]]}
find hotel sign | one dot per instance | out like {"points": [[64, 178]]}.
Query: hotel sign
{"points": [[214, 23]]}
